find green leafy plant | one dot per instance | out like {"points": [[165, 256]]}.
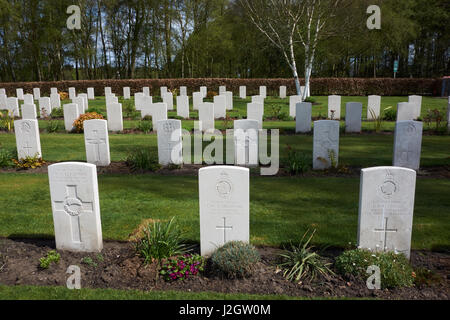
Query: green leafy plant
{"points": [[301, 262], [142, 159], [96, 109], [29, 162], [297, 162], [235, 259], [129, 109], [160, 240], [333, 158], [182, 267], [52, 126], [394, 268], [433, 115], [6, 120], [89, 261], [145, 126], [6, 158], [310, 99], [57, 113], [390, 114], [52, 256]]}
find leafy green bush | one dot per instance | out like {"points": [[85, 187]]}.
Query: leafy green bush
{"points": [[29, 162], [142, 159], [394, 268], [57, 113], [144, 126], [301, 261], [235, 259], [78, 123], [310, 99], [159, 241], [52, 126], [52, 256], [182, 267], [6, 157], [390, 114], [297, 162], [97, 110]]}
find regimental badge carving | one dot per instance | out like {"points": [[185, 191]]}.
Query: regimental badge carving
{"points": [[224, 187], [25, 127], [73, 206], [389, 187]]}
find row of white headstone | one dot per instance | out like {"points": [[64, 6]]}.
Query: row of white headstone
{"points": [[386, 206]]}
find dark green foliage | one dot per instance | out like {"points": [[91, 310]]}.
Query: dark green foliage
{"points": [[6, 157], [145, 126], [142, 159], [235, 259], [52, 256], [57, 112], [297, 162], [395, 268], [390, 114], [52, 126]]}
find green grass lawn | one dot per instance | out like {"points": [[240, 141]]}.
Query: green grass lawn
{"points": [[281, 208]]}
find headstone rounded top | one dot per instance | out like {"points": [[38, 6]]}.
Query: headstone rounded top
{"points": [[72, 163], [391, 168], [246, 124], [217, 168]]}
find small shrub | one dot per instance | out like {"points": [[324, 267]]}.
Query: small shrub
{"points": [[6, 158], [160, 240], [235, 259], [52, 256], [390, 114], [394, 268], [57, 113], [145, 126], [301, 262], [142, 159], [433, 116], [29, 162], [129, 109], [6, 120], [78, 124], [182, 267], [89, 261], [97, 110], [211, 94], [297, 162], [63, 95], [52, 126], [310, 99]]}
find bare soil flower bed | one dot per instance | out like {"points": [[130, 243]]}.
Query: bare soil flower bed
{"points": [[119, 267]]}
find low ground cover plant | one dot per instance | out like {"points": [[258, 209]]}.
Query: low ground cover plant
{"points": [[235, 259], [29, 162], [78, 124], [297, 162], [145, 126], [182, 267], [6, 157], [51, 257], [142, 159], [394, 267]]}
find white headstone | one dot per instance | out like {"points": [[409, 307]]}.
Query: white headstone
{"points": [[282, 92], [326, 143], [163, 91], [146, 91], [374, 104], [27, 138], [114, 116], [246, 142], [353, 114], [263, 91], [80, 102], [36, 93], [204, 91], [126, 93], [110, 99], [183, 106], [29, 111], [183, 91], [108, 91], [243, 92], [75, 206], [138, 100], [45, 108], [197, 99], [53, 90], [19, 94], [71, 113], [386, 206], [84, 96], [3, 98], [255, 111], [222, 89], [55, 100], [407, 144], [417, 102], [303, 117], [96, 142], [229, 95], [170, 145], [168, 100], [12, 104], [91, 93], [72, 93], [206, 116], [293, 100], [28, 98], [147, 106], [220, 106], [405, 111], [258, 99], [224, 196], [2, 91], [159, 112], [334, 107]]}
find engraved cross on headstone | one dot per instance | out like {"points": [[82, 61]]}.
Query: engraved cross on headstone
{"points": [[74, 207], [27, 148], [96, 141], [385, 230], [224, 228]]}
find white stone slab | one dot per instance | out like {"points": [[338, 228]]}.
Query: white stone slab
{"points": [[96, 141], [246, 142], [386, 206], [108, 91], [170, 145], [12, 104], [45, 108], [28, 98], [303, 117], [204, 91], [72, 93], [222, 89], [258, 99], [183, 106], [224, 196], [114, 116], [126, 93], [146, 91], [147, 106], [29, 111], [27, 138], [19, 94], [55, 100], [3, 98], [334, 104], [91, 93], [36, 93], [229, 95], [71, 113], [255, 111], [2, 91], [163, 90], [407, 144], [84, 96], [80, 102], [293, 100], [405, 111], [110, 99], [138, 100], [53, 90], [353, 114], [206, 116], [374, 104], [168, 100], [282, 92], [197, 99], [326, 140], [242, 92], [417, 102], [220, 103], [75, 206], [183, 91], [263, 91], [159, 112]]}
